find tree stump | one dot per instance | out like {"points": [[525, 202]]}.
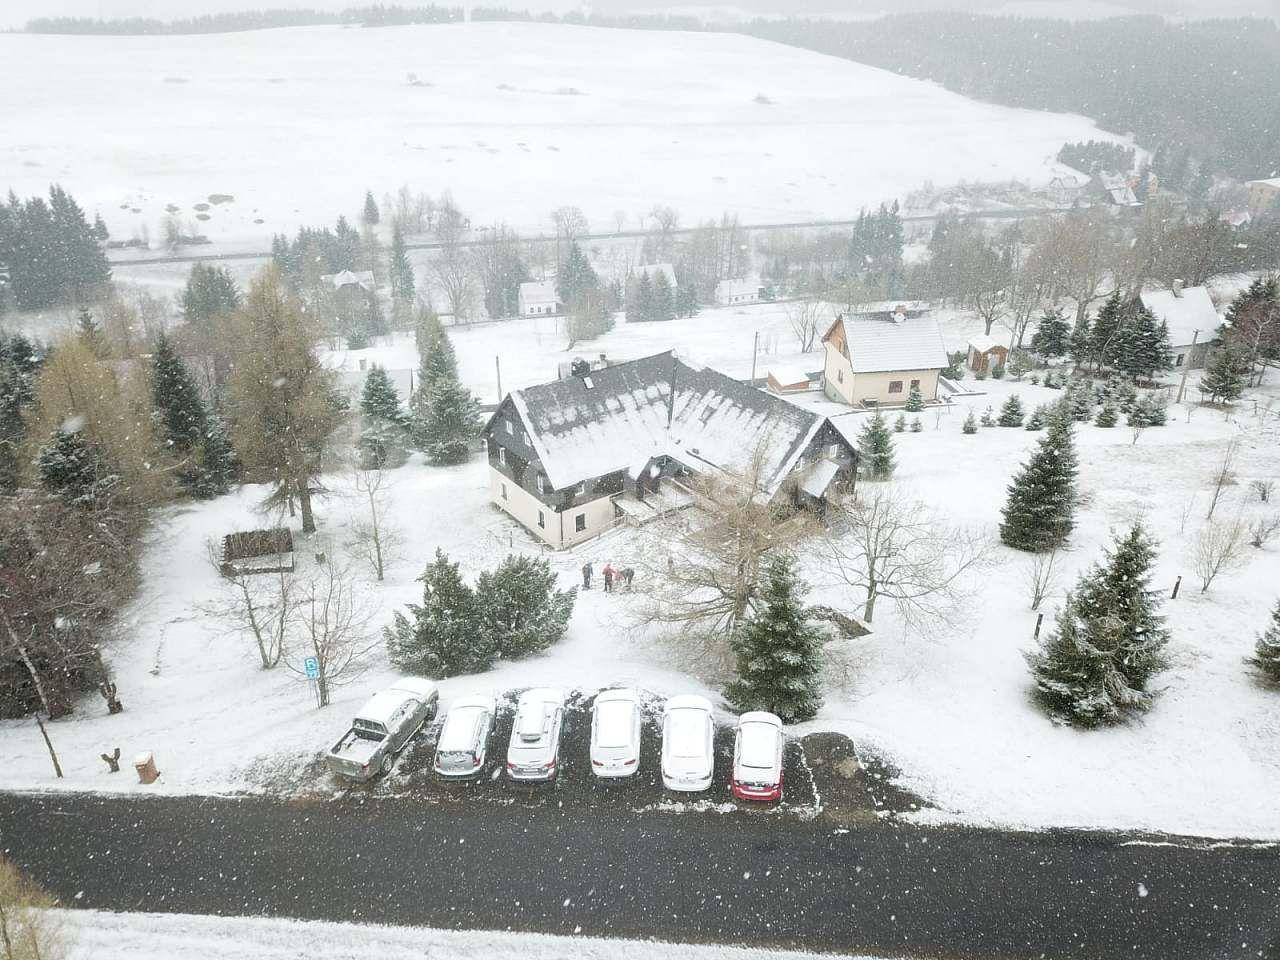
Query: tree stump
{"points": [[108, 691], [112, 760], [145, 764]]}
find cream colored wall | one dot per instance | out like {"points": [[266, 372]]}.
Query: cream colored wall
{"points": [[524, 506], [835, 365], [875, 386]]}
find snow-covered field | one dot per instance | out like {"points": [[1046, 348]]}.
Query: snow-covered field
{"points": [[515, 119], [162, 936]]}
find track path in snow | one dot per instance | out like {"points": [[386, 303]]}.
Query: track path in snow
{"points": [[737, 878]]}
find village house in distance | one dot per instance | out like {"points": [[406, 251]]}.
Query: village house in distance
{"points": [[570, 458], [1192, 320], [876, 356]]}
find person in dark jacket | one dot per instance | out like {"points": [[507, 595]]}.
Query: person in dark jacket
{"points": [[608, 578], [587, 571]]}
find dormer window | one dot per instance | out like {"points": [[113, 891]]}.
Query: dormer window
{"points": [[510, 429], [542, 484]]}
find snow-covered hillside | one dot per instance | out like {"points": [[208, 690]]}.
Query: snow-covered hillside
{"points": [[515, 119]]}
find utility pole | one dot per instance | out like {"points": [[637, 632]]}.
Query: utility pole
{"points": [[1186, 367], [497, 366], [755, 347]]}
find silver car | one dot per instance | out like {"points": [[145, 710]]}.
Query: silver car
{"points": [[534, 752], [615, 733], [382, 727], [464, 741]]}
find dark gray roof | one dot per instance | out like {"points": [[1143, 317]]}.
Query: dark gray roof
{"points": [[620, 417]]}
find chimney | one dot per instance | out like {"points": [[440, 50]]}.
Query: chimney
{"points": [[1177, 288]]}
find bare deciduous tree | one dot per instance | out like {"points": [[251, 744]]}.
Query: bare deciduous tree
{"points": [[1219, 547], [259, 604], [1263, 489], [1225, 476], [887, 544], [807, 319], [1041, 574], [375, 538], [331, 624], [1263, 529]]}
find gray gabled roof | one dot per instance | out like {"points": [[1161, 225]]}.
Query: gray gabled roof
{"points": [[883, 346], [621, 417]]}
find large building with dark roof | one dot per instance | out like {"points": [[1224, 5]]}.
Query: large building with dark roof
{"points": [[570, 458]]}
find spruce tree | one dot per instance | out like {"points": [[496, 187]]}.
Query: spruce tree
{"points": [[1041, 506], [576, 278], [970, 424], [664, 305], [90, 333], [1109, 639], [640, 300], [402, 279], [383, 426], [440, 638], [18, 366], [900, 425], [875, 449], [1039, 416], [1011, 414], [518, 608], [1107, 416], [74, 469], [915, 402], [1221, 383], [1081, 338], [183, 422], [1266, 652], [1053, 335], [916, 425], [779, 651], [448, 431], [210, 293], [369, 216]]}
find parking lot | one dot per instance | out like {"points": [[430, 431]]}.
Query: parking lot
{"points": [[576, 785]]}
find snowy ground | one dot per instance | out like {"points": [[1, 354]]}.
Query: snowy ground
{"points": [[155, 936], [952, 712], [516, 119]]}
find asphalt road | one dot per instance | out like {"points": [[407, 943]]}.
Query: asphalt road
{"points": [[883, 889]]}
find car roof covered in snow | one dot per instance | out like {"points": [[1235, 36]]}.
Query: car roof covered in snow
{"points": [[624, 415], [382, 706], [533, 708], [460, 724], [615, 718], [758, 739], [684, 728]]}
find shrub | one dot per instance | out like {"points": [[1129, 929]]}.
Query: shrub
{"points": [[970, 424]]}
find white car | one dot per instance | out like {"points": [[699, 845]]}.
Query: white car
{"points": [[615, 733], [464, 741], [688, 744], [534, 751], [757, 757]]}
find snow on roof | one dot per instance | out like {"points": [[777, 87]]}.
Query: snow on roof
{"points": [[1184, 314], [349, 278], [539, 291], [738, 287], [983, 342], [818, 476], [660, 406], [653, 269], [874, 346], [1271, 182], [889, 307], [787, 375]]}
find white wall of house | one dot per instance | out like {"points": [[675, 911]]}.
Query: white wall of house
{"points": [[842, 384], [838, 376], [557, 529], [1191, 356]]}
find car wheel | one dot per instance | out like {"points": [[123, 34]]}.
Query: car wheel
{"points": [[387, 763]]}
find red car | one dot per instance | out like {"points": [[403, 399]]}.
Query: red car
{"points": [[757, 757]]}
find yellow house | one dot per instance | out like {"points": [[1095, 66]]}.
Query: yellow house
{"points": [[873, 362]]}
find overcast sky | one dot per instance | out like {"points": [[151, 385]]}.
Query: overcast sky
{"points": [[14, 13]]}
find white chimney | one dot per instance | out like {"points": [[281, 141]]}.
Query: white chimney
{"points": [[1177, 288]]}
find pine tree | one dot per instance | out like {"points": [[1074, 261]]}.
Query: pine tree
{"points": [[210, 293], [184, 426], [519, 609], [875, 449], [1041, 506], [970, 424], [369, 216], [916, 425], [576, 279], [90, 333], [1011, 414], [900, 425], [401, 277], [686, 300], [18, 366], [915, 402], [440, 638], [1221, 383], [1108, 641], [448, 431], [1039, 416], [384, 426], [640, 300], [1053, 336], [779, 651], [1105, 336], [1107, 416], [1266, 652], [436, 359], [74, 469], [1079, 345], [664, 306]]}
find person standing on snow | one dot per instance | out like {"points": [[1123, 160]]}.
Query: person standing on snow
{"points": [[608, 578], [587, 571]]}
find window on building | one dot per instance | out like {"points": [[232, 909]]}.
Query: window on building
{"points": [[1179, 361], [502, 456], [582, 487], [580, 522], [542, 484], [895, 386], [542, 520], [504, 491], [915, 384], [510, 429]]}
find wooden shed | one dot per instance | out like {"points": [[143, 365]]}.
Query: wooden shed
{"points": [[787, 380], [257, 551], [985, 352]]}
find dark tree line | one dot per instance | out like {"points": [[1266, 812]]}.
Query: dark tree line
{"points": [[1206, 86], [1097, 156], [53, 254]]}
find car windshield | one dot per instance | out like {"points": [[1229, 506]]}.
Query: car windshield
{"points": [[614, 722], [757, 746], [686, 733]]}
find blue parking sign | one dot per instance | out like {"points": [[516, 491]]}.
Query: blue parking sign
{"points": [[311, 665]]}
